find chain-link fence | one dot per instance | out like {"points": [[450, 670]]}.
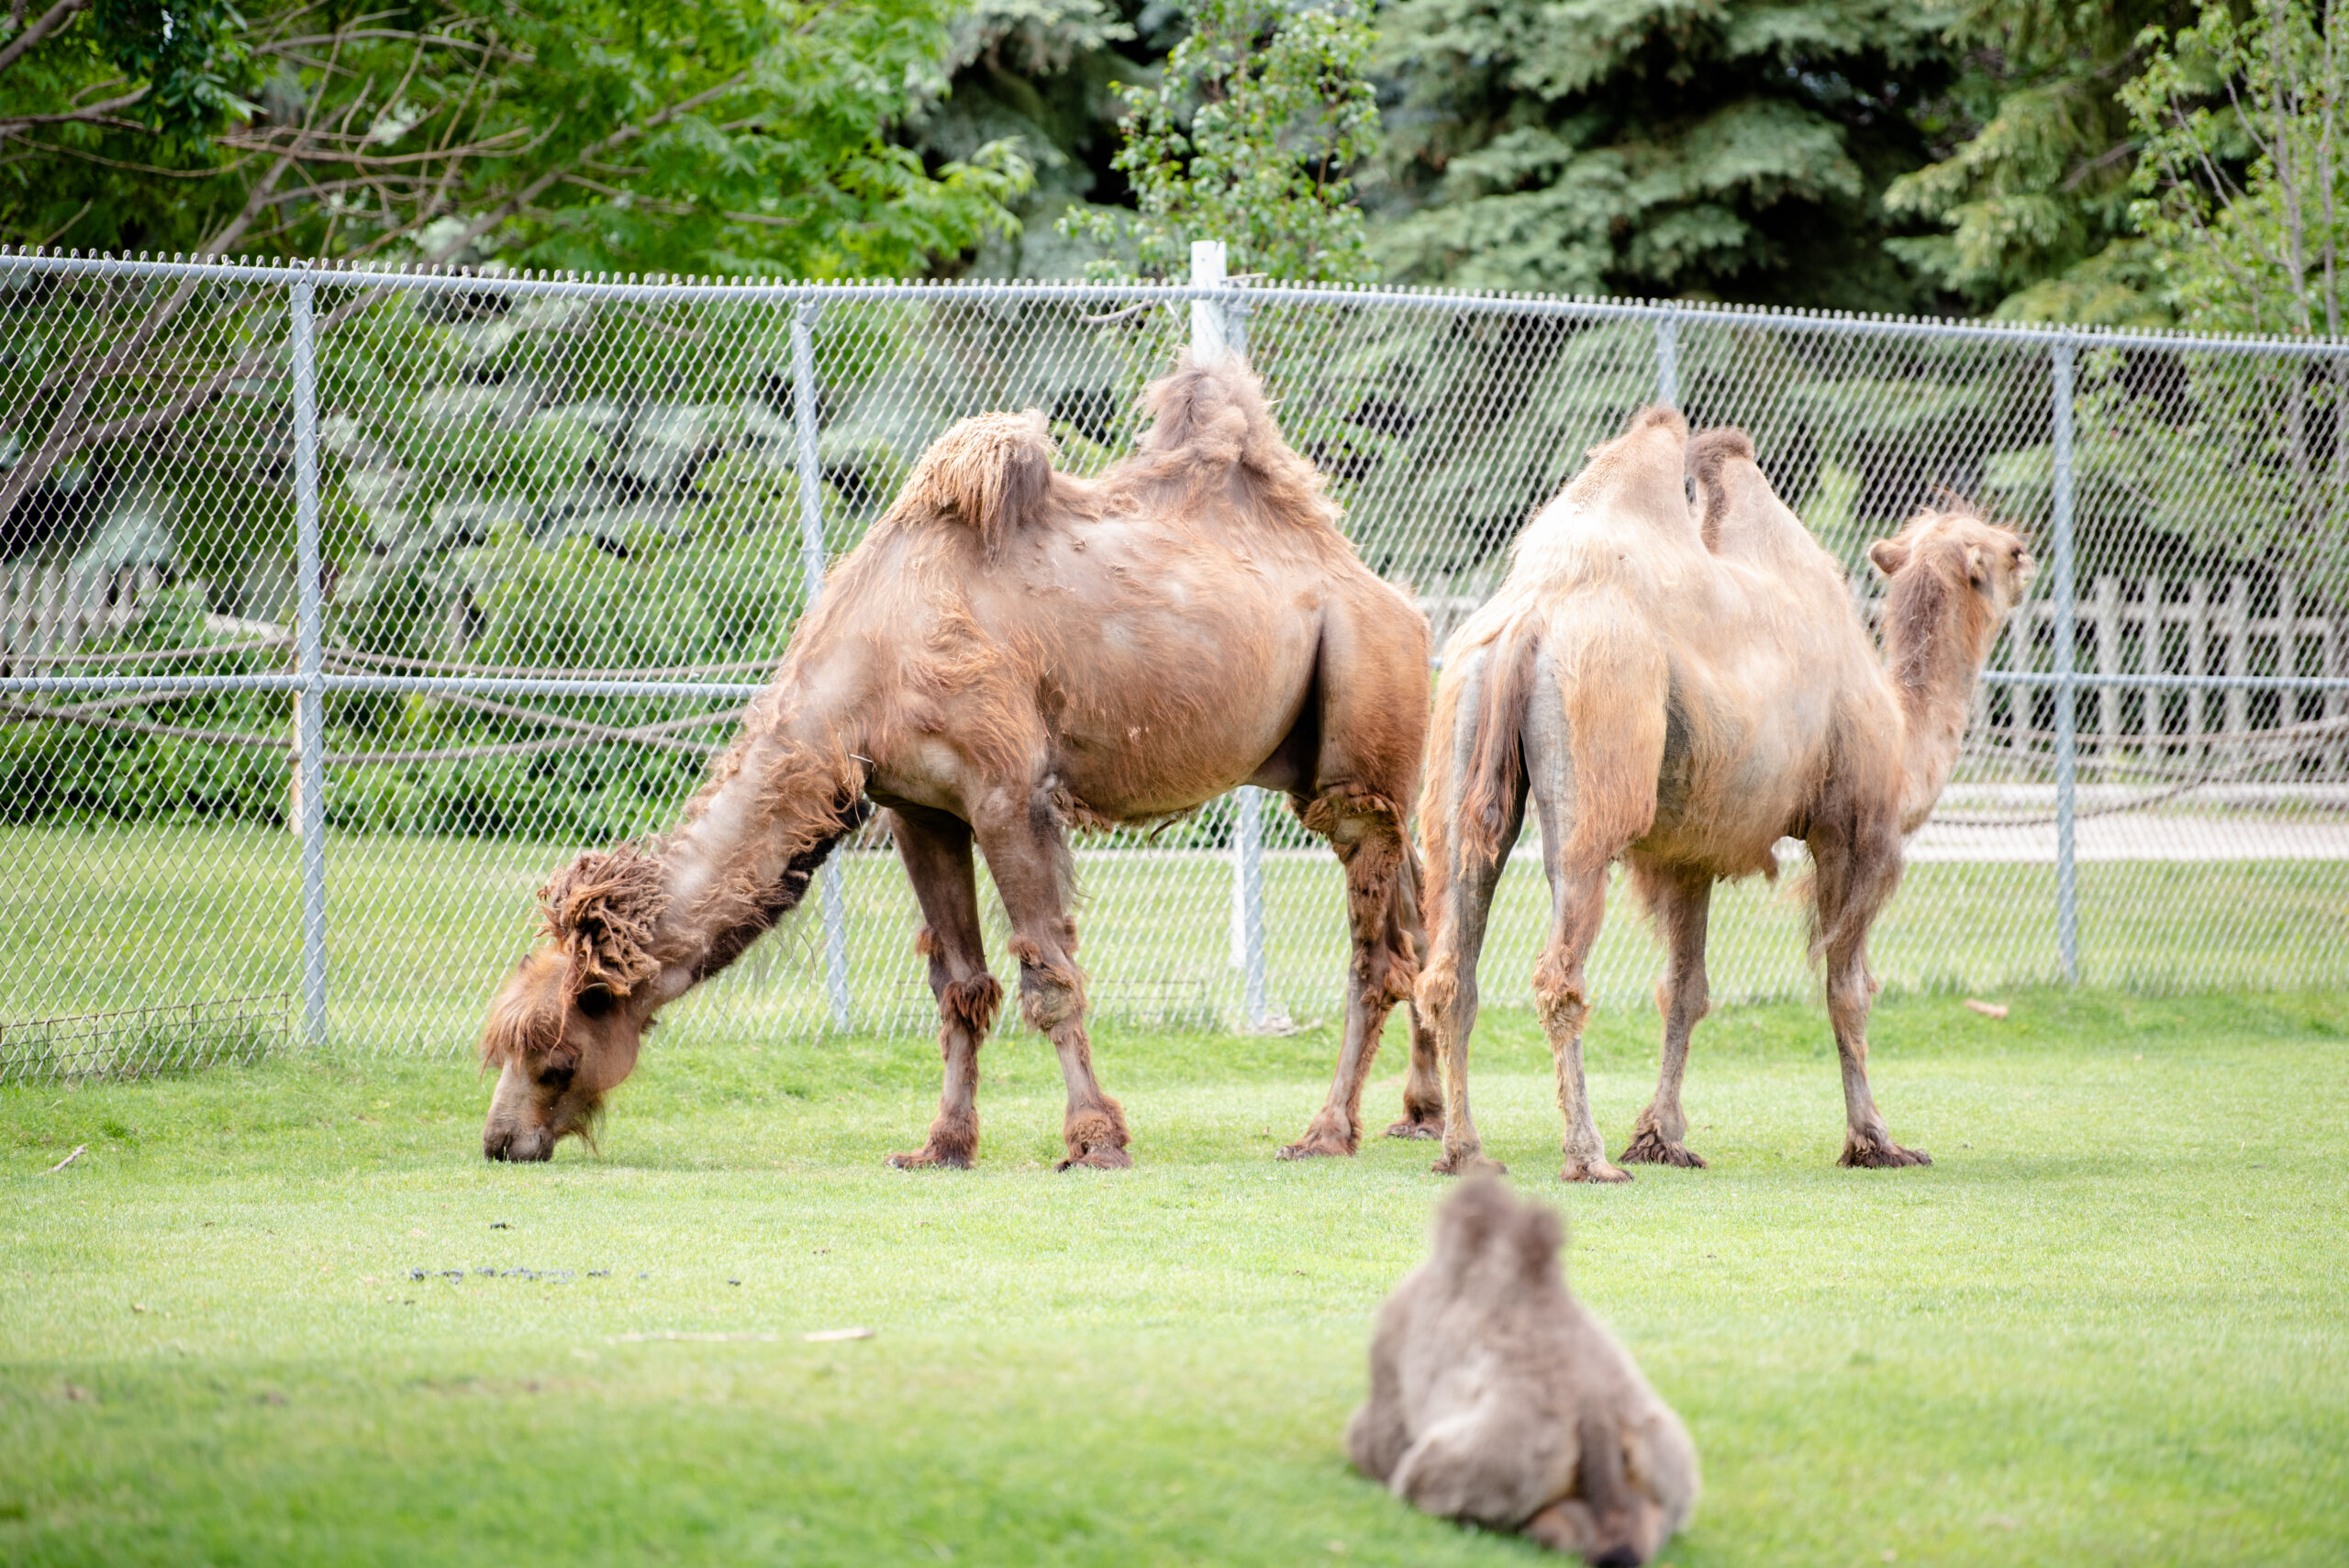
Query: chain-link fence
{"points": [[339, 607]]}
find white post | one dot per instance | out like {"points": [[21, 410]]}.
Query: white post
{"points": [[1214, 335], [811, 549]]}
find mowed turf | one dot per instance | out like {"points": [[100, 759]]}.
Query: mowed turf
{"points": [[2109, 1325]]}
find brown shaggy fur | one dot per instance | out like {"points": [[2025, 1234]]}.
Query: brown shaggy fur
{"points": [[601, 911], [1680, 691], [1012, 651], [1496, 1399]]}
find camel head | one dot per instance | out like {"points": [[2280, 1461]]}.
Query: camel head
{"points": [[1953, 560], [566, 1029]]}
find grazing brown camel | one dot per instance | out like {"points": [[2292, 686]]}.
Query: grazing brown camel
{"points": [[1497, 1398], [1008, 653], [1681, 689]]}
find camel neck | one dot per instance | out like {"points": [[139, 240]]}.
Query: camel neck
{"points": [[1936, 634], [777, 801]]}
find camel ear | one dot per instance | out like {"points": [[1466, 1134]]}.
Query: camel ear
{"points": [[1889, 555], [1539, 1235]]}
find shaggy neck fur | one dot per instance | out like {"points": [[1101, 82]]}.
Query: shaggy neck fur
{"points": [[1937, 630], [776, 803]]}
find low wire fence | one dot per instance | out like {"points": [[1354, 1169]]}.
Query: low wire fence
{"points": [[338, 607]]}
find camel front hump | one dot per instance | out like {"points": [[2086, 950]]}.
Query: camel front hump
{"points": [[1012, 653], [1679, 687], [1495, 1399]]}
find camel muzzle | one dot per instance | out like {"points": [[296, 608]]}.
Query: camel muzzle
{"points": [[516, 1145]]}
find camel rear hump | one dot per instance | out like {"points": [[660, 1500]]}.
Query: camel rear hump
{"points": [[1207, 419], [990, 473]]}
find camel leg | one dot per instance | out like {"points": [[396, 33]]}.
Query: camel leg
{"points": [[1423, 1087], [1577, 872], [1447, 993], [1368, 839], [935, 849], [1682, 899], [1852, 885], [1027, 855]]}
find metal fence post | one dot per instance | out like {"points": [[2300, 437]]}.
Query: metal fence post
{"points": [[1214, 333], [1667, 359], [310, 713], [2068, 893], [811, 552]]}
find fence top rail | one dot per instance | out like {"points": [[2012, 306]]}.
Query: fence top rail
{"points": [[654, 288]]}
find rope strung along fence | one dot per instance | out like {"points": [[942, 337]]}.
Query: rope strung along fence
{"points": [[338, 606]]}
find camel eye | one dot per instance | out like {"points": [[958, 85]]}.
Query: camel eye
{"points": [[557, 1078], [597, 1002]]}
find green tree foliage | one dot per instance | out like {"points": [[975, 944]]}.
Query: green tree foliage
{"points": [[1044, 73], [2034, 153], [731, 136], [1648, 146], [2243, 183], [1252, 136]]}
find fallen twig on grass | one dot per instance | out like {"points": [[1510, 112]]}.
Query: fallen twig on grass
{"points": [[1988, 1009], [676, 1334], [831, 1336], [67, 1161]]}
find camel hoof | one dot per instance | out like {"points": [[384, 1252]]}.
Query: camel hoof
{"points": [[1885, 1155], [1416, 1127], [930, 1156], [1468, 1163], [1106, 1157], [1312, 1148], [1651, 1148], [1594, 1171]]}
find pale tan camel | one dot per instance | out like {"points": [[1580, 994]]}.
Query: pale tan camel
{"points": [[1497, 1398], [1681, 689], [1008, 653]]}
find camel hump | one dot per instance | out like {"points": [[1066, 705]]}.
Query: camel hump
{"points": [[1708, 453], [989, 473], [1658, 416], [1206, 419]]}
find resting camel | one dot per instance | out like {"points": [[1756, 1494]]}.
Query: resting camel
{"points": [[1681, 688], [1495, 1397], [1010, 652]]}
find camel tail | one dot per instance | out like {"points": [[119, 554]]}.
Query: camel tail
{"points": [[988, 473], [1497, 765], [1708, 455]]}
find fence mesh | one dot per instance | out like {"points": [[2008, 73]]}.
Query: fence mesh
{"points": [[527, 484]]}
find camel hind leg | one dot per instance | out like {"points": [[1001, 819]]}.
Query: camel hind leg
{"points": [[1367, 731], [1367, 832], [1423, 1085], [1028, 856], [1463, 879], [1682, 899], [936, 849], [1594, 785]]}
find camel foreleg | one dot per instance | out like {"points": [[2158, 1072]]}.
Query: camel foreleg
{"points": [[936, 849], [1028, 856], [1851, 886], [1367, 835], [1681, 899]]}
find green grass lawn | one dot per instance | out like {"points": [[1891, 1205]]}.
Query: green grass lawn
{"points": [[2109, 1325]]}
